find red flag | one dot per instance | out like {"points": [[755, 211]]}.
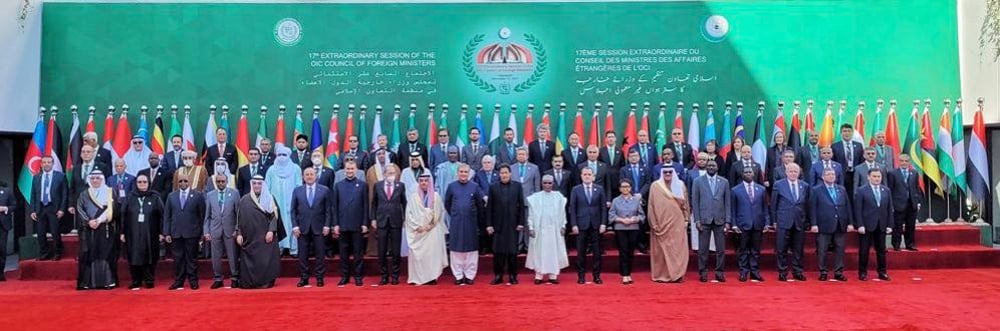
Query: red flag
{"points": [[609, 119], [349, 128], [892, 133], [529, 128], [109, 128], [54, 142], [810, 123], [243, 140], [332, 140], [431, 129], [578, 123], [631, 135], [545, 118], [279, 128], [90, 122], [123, 135], [644, 125], [594, 138], [679, 119]]}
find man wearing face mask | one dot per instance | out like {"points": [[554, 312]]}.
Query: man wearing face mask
{"points": [[281, 179], [222, 167], [196, 174], [324, 174]]}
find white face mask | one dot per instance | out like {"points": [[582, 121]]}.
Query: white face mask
{"points": [[390, 179], [221, 169], [317, 160], [188, 163]]}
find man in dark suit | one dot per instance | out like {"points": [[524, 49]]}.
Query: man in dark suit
{"points": [[301, 154], [472, 154], [78, 176], [266, 153], [121, 182], [574, 154], [48, 203], [830, 215], [506, 150], [789, 216], [222, 150], [635, 173], [647, 152], [861, 171], [683, 152], [808, 154], [614, 157], [906, 198], [563, 178], [160, 179], [358, 152], [8, 205], [588, 217], [778, 172], [487, 174], [388, 208], [826, 162], [439, 152], [849, 154], [541, 151], [409, 146], [667, 160], [600, 169], [172, 159], [183, 226], [750, 218], [711, 207], [310, 210], [873, 219], [325, 175], [350, 210], [247, 172], [101, 154], [746, 161]]}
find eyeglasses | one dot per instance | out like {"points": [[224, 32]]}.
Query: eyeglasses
{"points": [[141, 182], [136, 143], [442, 135], [182, 180], [676, 133], [547, 183]]}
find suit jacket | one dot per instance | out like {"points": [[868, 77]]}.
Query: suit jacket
{"points": [[861, 174], [163, 183], [873, 214], [600, 176], [102, 155], [831, 216], [243, 177], [684, 155], [305, 161], [350, 211], [504, 154], [58, 192], [388, 210], [403, 161], [787, 210], [815, 176], [885, 155], [485, 180], [186, 222], [774, 156], [531, 181], [220, 220], [6, 218], [736, 173], [311, 219], [776, 174], [708, 207], [905, 191], [127, 185], [169, 161], [619, 161], [804, 157], [652, 157], [474, 160], [267, 158], [78, 182], [568, 155], [360, 158], [229, 155], [326, 176], [625, 172], [566, 185], [542, 160], [749, 214], [588, 214], [437, 155], [840, 156]]}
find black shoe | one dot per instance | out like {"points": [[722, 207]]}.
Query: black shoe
{"points": [[841, 278], [513, 280], [883, 276], [433, 282], [216, 284], [57, 257], [597, 280], [194, 285], [800, 277], [132, 286], [176, 285], [554, 281], [302, 283], [320, 282], [720, 278], [234, 283], [912, 249], [756, 276], [581, 280], [538, 281], [862, 277], [743, 277], [823, 277], [497, 280], [782, 277], [703, 278], [358, 282], [383, 281], [149, 284], [395, 281], [459, 282], [895, 248], [468, 281], [343, 281]]}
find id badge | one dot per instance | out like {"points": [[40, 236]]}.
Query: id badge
{"points": [[121, 193], [142, 218]]}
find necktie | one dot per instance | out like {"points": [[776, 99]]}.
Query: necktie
{"points": [[642, 150], [86, 170], [635, 178], [45, 189], [177, 159], [475, 149], [510, 150], [522, 171], [850, 156], [593, 166], [222, 149], [587, 190], [222, 198], [827, 165], [795, 190], [833, 193], [310, 196], [253, 170], [712, 184], [541, 145], [814, 152], [121, 181], [574, 156], [611, 155], [878, 196], [183, 198], [388, 190], [750, 191], [906, 175], [152, 175], [680, 151], [558, 177]]}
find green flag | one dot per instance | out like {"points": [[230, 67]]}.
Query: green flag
{"points": [[560, 144], [175, 125], [394, 142], [958, 150], [462, 136], [363, 137], [661, 129], [912, 144]]}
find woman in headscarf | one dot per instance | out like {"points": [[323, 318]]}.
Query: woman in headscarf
{"points": [[282, 178], [94, 215], [141, 219], [668, 216], [425, 232], [258, 229]]}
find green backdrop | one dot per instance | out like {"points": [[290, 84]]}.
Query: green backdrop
{"points": [[387, 54]]}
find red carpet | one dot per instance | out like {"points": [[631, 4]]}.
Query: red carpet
{"points": [[941, 299]]}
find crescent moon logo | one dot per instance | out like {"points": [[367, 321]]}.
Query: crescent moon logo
{"points": [[35, 164]]}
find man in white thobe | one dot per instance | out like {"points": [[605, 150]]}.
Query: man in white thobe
{"points": [[137, 157], [547, 228], [425, 231]]}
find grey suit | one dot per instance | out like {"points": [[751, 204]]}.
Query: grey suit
{"points": [[531, 179], [861, 174], [220, 224], [884, 155], [710, 204], [473, 159]]}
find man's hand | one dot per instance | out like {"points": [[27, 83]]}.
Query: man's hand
{"points": [[72, 210], [520, 228], [698, 225], [489, 230], [296, 232], [918, 207], [168, 239], [602, 228], [576, 229], [374, 225], [122, 238], [208, 237], [861, 230], [161, 238], [888, 230], [93, 224], [59, 214], [737, 230], [269, 237], [531, 233], [34, 217], [336, 231], [814, 229], [326, 231], [364, 229], [239, 239]]}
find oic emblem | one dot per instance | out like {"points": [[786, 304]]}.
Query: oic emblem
{"points": [[288, 32], [715, 29], [506, 63]]}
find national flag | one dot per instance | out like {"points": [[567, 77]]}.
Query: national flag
{"points": [[979, 175], [578, 123], [943, 149], [495, 130], [694, 131], [444, 124], [877, 124], [595, 130], [859, 126], [261, 127], [349, 127], [159, 144], [431, 128], [710, 130], [759, 148], [243, 139], [561, 134], [529, 127], [279, 128], [210, 128], [810, 122], [644, 124], [912, 145], [413, 117], [892, 133], [90, 121], [316, 143], [930, 163], [333, 141], [376, 128], [631, 134], [726, 144], [394, 142], [300, 127], [794, 133], [175, 125], [109, 131], [143, 130], [958, 148], [224, 121], [479, 124], [123, 135], [462, 136], [779, 124], [54, 142], [363, 135], [187, 134], [826, 129], [75, 144], [609, 119], [679, 120], [661, 126], [738, 131], [545, 116], [33, 158], [512, 122]]}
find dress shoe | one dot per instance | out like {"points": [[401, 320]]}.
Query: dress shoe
{"points": [[912, 249], [132, 286], [597, 280], [216, 284], [895, 248], [57, 257], [743, 277], [176, 286], [823, 277], [703, 278], [459, 282], [468, 281], [782, 277], [554, 281], [149, 284], [800, 277], [320, 282], [233, 283], [302, 283], [840, 278], [194, 285], [513, 280], [433, 282], [395, 281], [497, 280], [581, 280], [538, 281], [383, 281], [756, 276], [862, 277], [343, 281], [884, 277], [358, 282], [720, 278]]}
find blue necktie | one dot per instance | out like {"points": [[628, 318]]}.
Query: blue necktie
{"points": [[310, 196], [833, 193], [878, 196], [587, 190], [635, 178], [45, 189]]}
